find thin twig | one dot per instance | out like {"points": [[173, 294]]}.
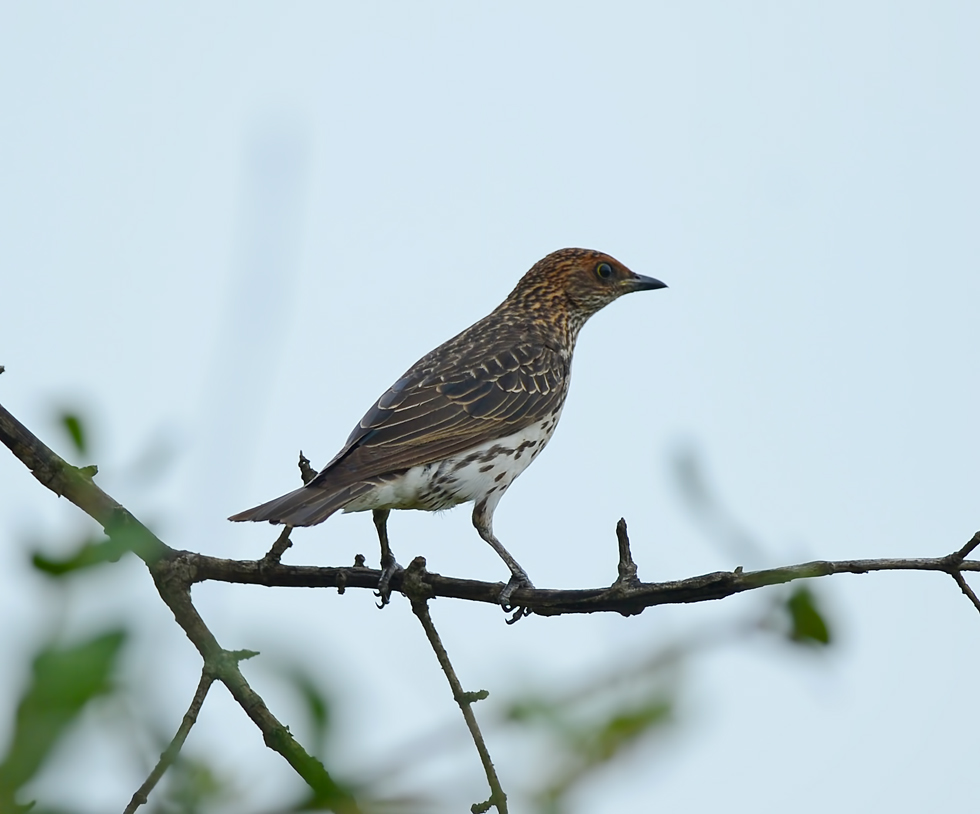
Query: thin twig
{"points": [[417, 591], [170, 753], [957, 575], [274, 555], [968, 549], [306, 472], [627, 568]]}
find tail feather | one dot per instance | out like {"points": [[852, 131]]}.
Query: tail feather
{"points": [[305, 506]]}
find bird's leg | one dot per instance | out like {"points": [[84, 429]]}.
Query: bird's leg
{"points": [[389, 566], [483, 521]]}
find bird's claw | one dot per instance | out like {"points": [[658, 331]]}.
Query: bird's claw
{"points": [[517, 581], [388, 570]]}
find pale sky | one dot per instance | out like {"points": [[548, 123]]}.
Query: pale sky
{"points": [[225, 230]]}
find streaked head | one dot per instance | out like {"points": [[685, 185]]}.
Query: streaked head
{"points": [[579, 282]]}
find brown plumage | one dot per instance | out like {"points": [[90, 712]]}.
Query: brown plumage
{"points": [[469, 416]]}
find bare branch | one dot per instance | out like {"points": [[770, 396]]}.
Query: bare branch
{"points": [[274, 554], [957, 576], [617, 598], [418, 593], [70, 482], [170, 753], [969, 548], [306, 472], [623, 596], [173, 573], [627, 568]]}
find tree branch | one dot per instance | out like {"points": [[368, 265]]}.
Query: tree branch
{"points": [[418, 593], [617, 598], [627, 596], [173, 573], [173, 749]]}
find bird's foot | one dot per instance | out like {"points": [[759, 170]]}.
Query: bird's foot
{"points": [[389, 567], [518, 579]]}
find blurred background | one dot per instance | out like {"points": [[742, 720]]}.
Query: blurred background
{"points": [[226, 229]]}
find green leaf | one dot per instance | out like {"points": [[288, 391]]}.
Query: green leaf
{"points": [[623, 729], [64, 680], [317, 705], [808, 625], [316, 701], [73, 424], [91, 552]]}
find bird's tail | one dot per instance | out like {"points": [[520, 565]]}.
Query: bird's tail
{"points": [[305, 506]]}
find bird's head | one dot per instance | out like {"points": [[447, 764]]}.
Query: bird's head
{"points": [[576, 283]]}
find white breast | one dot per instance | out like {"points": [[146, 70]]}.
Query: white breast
{"points": [[485, 471]]}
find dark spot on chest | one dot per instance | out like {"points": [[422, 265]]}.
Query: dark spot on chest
{"points": [[524, 445], [495, 452], [463, 462]]}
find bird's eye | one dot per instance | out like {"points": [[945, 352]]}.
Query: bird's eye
{"points": [[604, 271]]}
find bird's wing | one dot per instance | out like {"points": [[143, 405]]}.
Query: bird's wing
{"points": [[436, 411]]}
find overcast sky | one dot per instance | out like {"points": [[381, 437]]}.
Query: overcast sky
{"points": [[226, 229]]}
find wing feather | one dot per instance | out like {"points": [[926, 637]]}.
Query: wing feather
{"points": [[432, 413]]}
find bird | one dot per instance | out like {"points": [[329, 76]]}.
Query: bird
{"points": [[468, 417]]}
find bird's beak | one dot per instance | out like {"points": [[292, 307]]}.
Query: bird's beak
{"points": [[640, 283]]}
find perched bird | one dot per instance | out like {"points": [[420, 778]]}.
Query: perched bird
{"points": [[467, 418]]}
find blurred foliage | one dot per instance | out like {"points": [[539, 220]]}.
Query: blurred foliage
{"points": [[88, 553], [63, 681], [581, 747], [599, 721], [808, 625], [75, 427], [317, 704], [191, 787]]}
